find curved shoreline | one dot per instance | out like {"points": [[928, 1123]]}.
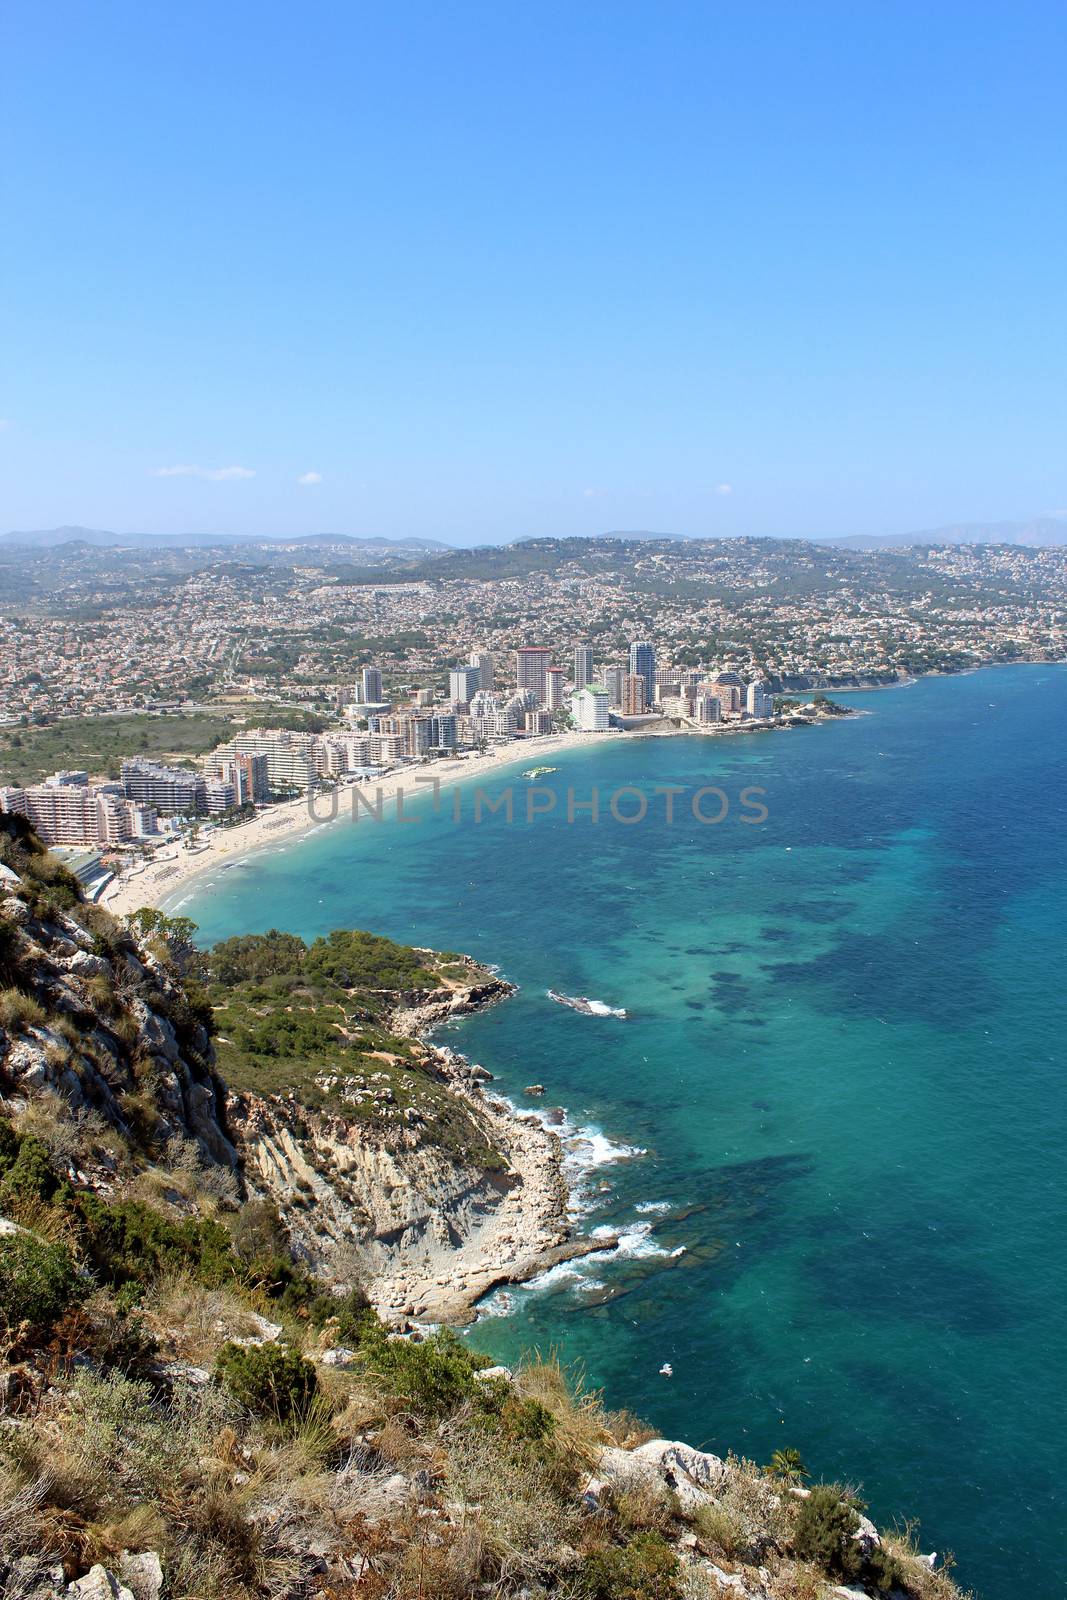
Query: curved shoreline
{"points": [[170, 876], [293, 820]]}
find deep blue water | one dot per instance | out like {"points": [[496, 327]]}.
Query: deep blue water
{"points": [[843, 1058]]}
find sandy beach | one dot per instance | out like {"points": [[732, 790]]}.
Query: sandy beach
{"points": [[173, 867]]}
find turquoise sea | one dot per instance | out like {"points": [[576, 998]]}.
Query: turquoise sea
{"points": [[842, 1065]]}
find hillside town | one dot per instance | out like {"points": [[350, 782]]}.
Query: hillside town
{"points": [[88, 632]]}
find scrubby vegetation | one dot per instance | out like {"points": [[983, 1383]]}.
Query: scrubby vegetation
{"points": [[310, 1023]]}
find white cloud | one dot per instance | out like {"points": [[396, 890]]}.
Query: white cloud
{"points": [[724, 488], [211, 474], [310, 477]]}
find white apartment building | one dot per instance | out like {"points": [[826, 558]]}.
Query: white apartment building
{"points": [[590, 707]]}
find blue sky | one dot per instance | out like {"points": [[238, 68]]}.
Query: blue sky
{"points": [[491, 271]]}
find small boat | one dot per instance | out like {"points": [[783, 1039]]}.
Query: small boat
{"points": [[538, 772], [666, 1371], [582, 1003]]}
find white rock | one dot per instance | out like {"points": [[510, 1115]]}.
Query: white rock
{"points": [[487, 1374], [99, 1584], [338, 1357], [143, 1572]]}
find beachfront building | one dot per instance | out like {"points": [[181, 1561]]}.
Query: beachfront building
{"points": [[591, 707], [706, 708], [554, 688], [444, 731], [345, 752], [643, 665], [293, 760], [531, 669], [63, 812], [463, 685], [634, 692], [219, 795], [613, 678], [759, 702], [247, 773], [727, 689], [173, 790], [583, 667]]}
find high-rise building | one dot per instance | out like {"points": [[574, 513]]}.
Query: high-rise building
{"points": [[590, 708], [707, 708], [293, 759], [463, 685], [583, 667], [728, 690], [643, 665], [759, 702], [370, 688], [485, 661], [247, 773], [168, 789], [531, 666], [75, 813], [634, 702], [554, 688], [443, 733], [612, 679]]}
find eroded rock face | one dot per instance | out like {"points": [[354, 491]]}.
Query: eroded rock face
{"points": [[422, 1227], [107, 1022]]}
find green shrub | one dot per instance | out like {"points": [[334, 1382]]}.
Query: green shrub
{"points": [[30, 1176], [645, 1569], [353, 1313], [254, 956], [130, 1242], [357, 960], [433, 1378], [824, 1531], [38, 1282], [122, 1343], [9, 1146], [269, 1379]]}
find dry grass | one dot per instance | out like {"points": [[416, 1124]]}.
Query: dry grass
{"points": [[512, 1514], [186, 1175], [19, 1011], [67, 1132], [194, 1322], [924, 1584], [581, 1423]]}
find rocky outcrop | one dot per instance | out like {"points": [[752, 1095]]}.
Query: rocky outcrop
{"points": [[426, 1228], [104, 1023]]}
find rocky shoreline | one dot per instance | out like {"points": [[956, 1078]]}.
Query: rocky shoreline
{"points": [[428, 1225], [533, 1230]]}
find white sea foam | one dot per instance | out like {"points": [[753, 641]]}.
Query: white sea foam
{"points": [[648, 1208], [635, 1241]]}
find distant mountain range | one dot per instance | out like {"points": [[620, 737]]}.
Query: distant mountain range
{"points": [[1038, 531], [50, 538]]}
